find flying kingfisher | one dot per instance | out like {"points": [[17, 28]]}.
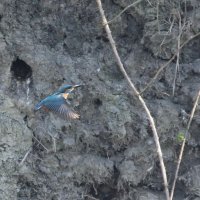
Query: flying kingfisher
{"points": [[58, 103]]}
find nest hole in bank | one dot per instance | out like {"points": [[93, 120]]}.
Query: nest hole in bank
{"points": [[98, 102], [20, 70]]}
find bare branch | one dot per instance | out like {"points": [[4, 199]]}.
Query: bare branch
{"points": [[168, 32], [40, 143], [149, 3], [129, 6], [167, 63], [91, 197], [151, 120], [183, 146], [178, 55], [157, 15], [25, 156]]}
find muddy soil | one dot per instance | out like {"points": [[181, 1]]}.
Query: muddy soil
{"points": [[109, 153]]}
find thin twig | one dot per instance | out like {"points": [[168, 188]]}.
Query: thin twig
{"points": [[157, 15], [168, 62], [40, 143], [151, 120], [168, 32], [177, 68], [183, 146], [149, 3], [91, 197], [129, 6], [178, 54], [25, 156], [54, 144]]}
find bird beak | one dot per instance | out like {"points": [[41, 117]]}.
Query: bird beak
{"points": [[75, 86]]}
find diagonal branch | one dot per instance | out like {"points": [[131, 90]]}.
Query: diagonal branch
{"points": [[168, 62], [151, 120], [183, 145], [129, 6]]}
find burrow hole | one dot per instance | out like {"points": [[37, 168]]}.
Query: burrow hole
{"points": [[97, 102], [20, 70]]}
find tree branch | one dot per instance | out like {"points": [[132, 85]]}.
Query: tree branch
{"points": [[151, 120], [129, 6], [167, 63], [183, 146]]}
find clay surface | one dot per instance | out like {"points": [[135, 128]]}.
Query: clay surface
{"points": [[109, 154]]}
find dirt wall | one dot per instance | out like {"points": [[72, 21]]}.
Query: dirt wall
{"points": [[109, 154]]}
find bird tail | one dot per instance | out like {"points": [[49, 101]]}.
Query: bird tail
{"points": [[38, 106]]}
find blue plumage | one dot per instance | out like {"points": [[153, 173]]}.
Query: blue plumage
{"points": [[57, 103], [66, 87]]}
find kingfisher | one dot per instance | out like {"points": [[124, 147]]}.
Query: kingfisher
{"points": [[58, 103]]}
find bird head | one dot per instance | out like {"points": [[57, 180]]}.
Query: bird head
{"points": [[67, 88]]}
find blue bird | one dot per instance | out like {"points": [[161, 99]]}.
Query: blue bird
{"points": [[57, 103]]}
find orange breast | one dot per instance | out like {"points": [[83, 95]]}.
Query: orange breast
{"points": [[45, 108], [65, 95]]}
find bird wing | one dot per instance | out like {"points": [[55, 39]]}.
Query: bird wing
{"points": [[58, 105], [66, 112]]}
